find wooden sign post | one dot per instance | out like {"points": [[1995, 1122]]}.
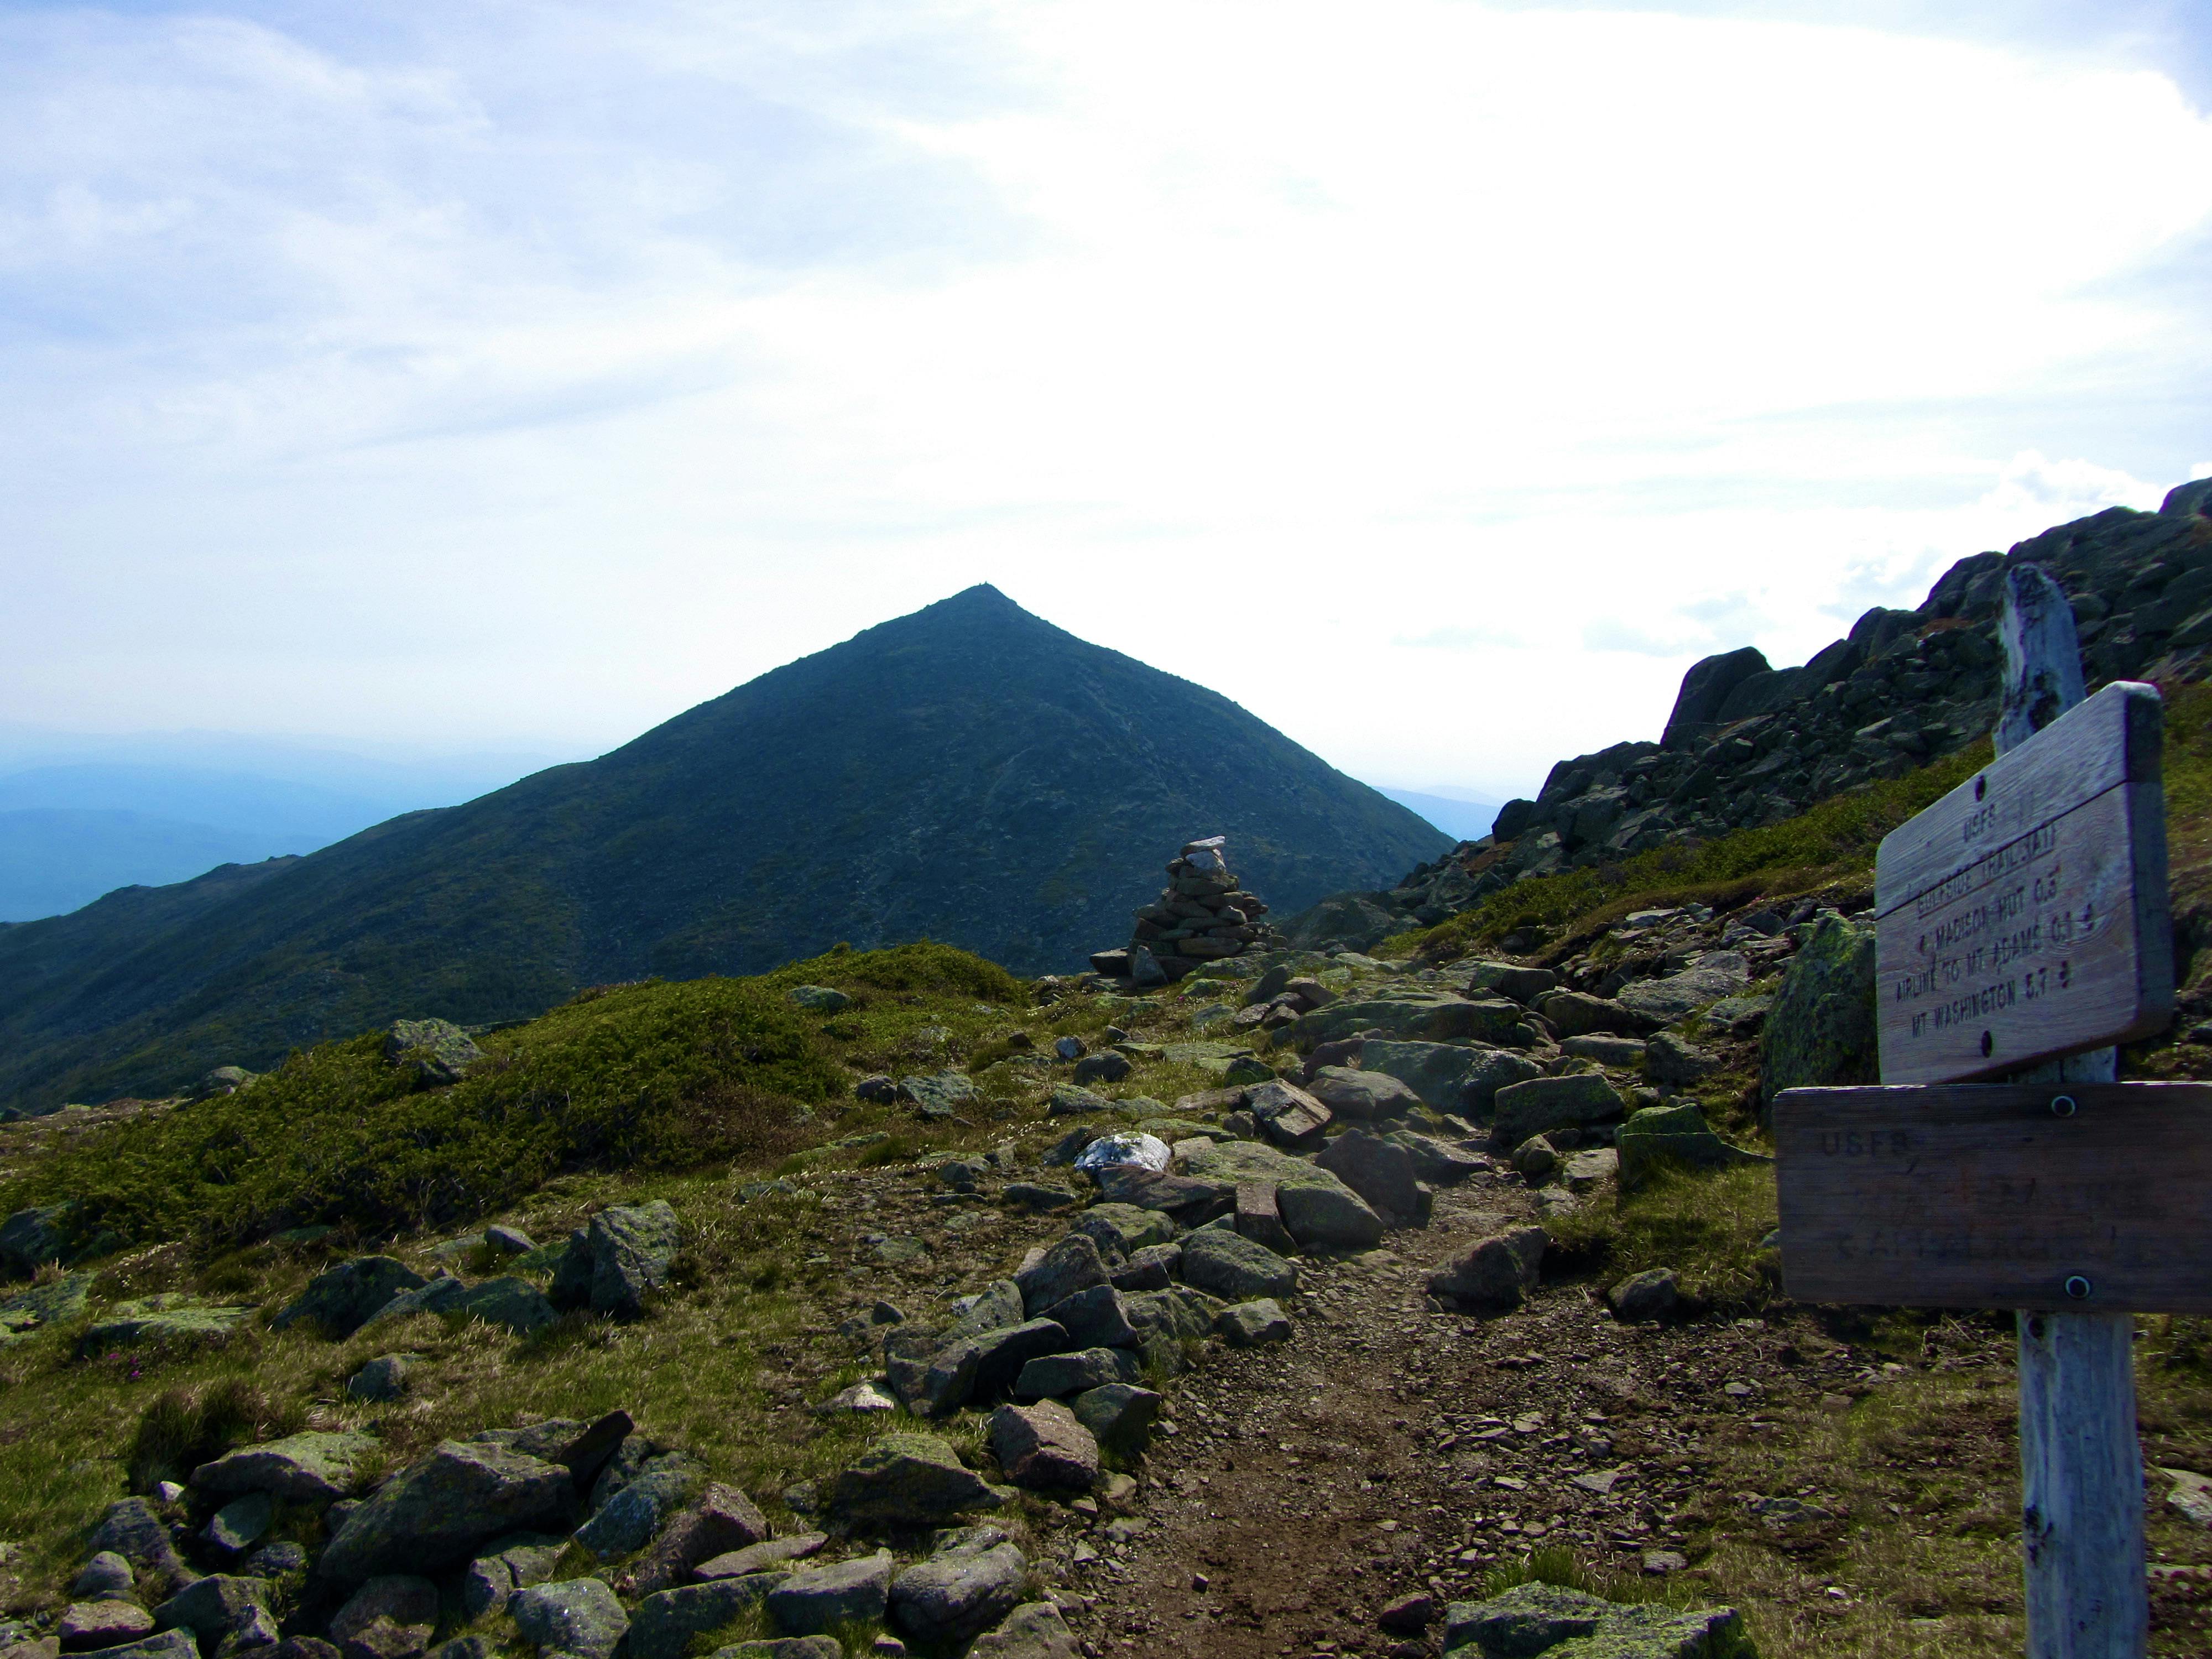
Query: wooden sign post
{"points": [[2021, 929]]}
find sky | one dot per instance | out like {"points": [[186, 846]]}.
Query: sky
{"points": [[1437, 379]]}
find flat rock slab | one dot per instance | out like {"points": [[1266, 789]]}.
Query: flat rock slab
{"points": [[313, 1467], [579, 1616], [433, 1514], [171, 1319], [912, 1480], [1715, 974], [817, 1601]]}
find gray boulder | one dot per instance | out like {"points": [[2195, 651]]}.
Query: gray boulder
{"points": [[209, 1607], [1033, 1631], [578, 1616], [1286, 1114], [1650, 1295], [382, 1379], [1672, 1058], [667, 1619], [1092, 1319], [315, 1467], [1363, 1096], [939, 1095], [1416, 1017], [1119, 1415], [784, 1647], [166, 1644], [106, 1577], [1235, 1267], [957, 1593], [1820, 1030], [1122, 1230], [1675, 1134], [1043, 1447], [820, 1599], [1510, 979], [341, 1298], [633, 1515], [624, 1253], [408, 1602], [1379, 1172], [509, 1564], [1329, 1217], [1715, 974], [1537, 1618], [132, 1531], [984, 1364], [1545, 1103], [909, 1479], [102, 1625], [1449, 1076], [1051, 1376], [1073, 1264], [237, 1527], [1577, 1013], [818, 999], [434, 1513], [1249, 1323], [1498, 1271], [723, 1520], [437, 1051], [1072, 1100]]}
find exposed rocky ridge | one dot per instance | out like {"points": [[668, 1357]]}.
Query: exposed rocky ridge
{"points": [[1748, 743], [969, 774]]}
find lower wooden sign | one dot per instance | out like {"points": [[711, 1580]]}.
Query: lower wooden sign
{"points": [[2088, 1197]]}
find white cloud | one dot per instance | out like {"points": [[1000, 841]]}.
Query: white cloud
{"points": [[541, 371]]}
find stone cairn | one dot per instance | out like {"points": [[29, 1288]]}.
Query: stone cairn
{"points": [[1200, 915]]}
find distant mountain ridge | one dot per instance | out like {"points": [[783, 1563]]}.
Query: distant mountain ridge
{"points": [[969, 772]]}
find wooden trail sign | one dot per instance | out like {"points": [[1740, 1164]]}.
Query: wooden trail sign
{"points": [[2024, 915], [2021, 920], [2066, 1197]]}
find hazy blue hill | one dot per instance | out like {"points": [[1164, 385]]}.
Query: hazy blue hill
{"points": [[970, 774], [1463, 820], [56, 859]]}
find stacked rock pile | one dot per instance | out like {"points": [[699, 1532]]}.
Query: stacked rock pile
{"points": [[1202, 914]]}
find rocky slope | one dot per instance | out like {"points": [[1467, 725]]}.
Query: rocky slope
{"points": [[968, 773], [1747, 743]]}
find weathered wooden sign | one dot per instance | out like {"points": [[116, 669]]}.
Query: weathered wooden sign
{"points": [[2024, 915], [2066, 1197]]}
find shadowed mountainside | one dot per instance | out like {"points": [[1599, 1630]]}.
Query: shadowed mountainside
{"points": [[970, 774]]}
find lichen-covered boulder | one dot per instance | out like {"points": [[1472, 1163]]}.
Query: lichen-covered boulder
{"points": [[1043, 1447], [1236, 1267], [437, 1051], [1545, 1103], [578, 1616], [610, 1265], [1820, 1032], [341, 1298], [1537, 1619], [819, 1600], [909, 1479], [1678, 1134], [961, 1592], [1033, 1631], [169, 1319], [1498, 1271], [435, 1514], [313, 1467], [1452, 1077]]}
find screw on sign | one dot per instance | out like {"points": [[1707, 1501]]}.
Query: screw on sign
{"points": [[2021, 931]]}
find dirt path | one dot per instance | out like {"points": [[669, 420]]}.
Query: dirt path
{"points": [[1394, 1450]]}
